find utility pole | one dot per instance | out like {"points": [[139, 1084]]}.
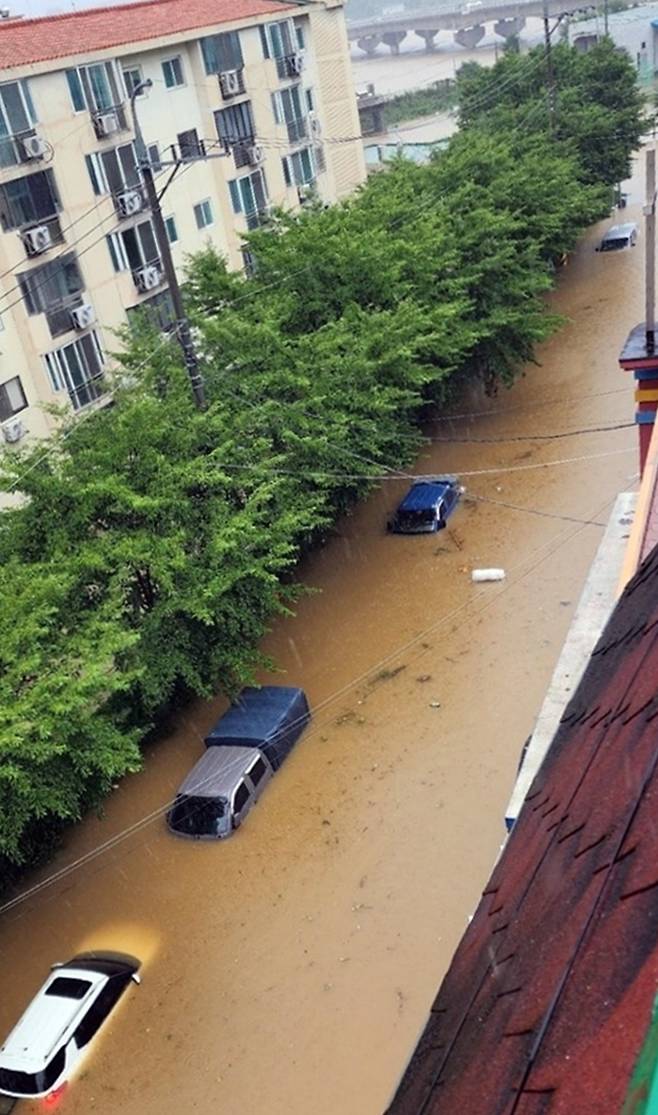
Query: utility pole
{"points": [[606, 25], [550, 73], [650, 253], [182, 324]]}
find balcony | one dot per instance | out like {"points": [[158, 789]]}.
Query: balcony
{"points": [[39, 238], [257, 218], [291, 65], [16, 150], [246, 152], [58, 318], [231, 83], [130, 202], [110, 121], [297, 129], [149, 276]]}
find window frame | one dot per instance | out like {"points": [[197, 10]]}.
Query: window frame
{"points": [[171, 62], [204, 208], [128, 87], [60, 376], [171, 218], [11, 412]]}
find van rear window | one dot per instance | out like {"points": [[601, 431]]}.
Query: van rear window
{"points": [[33, 1083], [198, 816], [66, 988]]}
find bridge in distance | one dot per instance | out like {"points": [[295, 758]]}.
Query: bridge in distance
{"points": [[467, 22]]}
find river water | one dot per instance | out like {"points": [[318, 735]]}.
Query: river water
{"points": [[288, 971]]}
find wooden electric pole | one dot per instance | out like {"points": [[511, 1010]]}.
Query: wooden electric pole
{"points": [[550, 72], [182, 324], [650, 253]]}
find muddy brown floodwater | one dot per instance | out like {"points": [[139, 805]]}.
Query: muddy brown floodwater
{"points": [[288, 971]]}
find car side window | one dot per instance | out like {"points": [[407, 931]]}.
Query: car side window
{"points": [[99, 1010], [257, 772], [241, 797]]}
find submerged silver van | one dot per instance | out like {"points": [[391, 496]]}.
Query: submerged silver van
{"points": [[218, 792], [618, 237]]}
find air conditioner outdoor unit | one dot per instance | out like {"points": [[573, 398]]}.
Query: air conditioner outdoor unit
{"points": [[305, 193], [229, 83], [107, 123], [295, 64], [148, 278], [83, 316], [37, 239], [13, 431], [34, 147], [255, 154], [315, 125], [130, 203]]}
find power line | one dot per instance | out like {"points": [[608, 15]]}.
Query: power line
{"points": [[489, 599], [528, 437]]}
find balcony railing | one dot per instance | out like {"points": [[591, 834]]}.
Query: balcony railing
{"points": [[297, 129], [13, 151], [149, 276], [59, 318], [88, 392], [243, 151], [130, 202], [109, 121], [54, 226], [257, 217], [291, 65]]}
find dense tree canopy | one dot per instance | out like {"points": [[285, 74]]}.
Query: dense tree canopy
{"points": [[152, 545]]}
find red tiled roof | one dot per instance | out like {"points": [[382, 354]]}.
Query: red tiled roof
{"points": [[37, 40], [549, 996]]}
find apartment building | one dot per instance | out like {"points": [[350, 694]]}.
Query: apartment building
{"points": [[251, 106]]}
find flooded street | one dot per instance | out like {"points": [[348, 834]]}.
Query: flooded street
{"points": [[288, 971]]}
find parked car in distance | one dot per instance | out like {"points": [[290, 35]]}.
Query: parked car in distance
{"points": [[271, 718], [218, 792], [426, 506], [618, 237], [65, 1014]]}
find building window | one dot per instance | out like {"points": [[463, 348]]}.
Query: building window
{"points": [[299, 168], [134, 248], [12, 398], [47, 287], [154, 157], [278, 40], [222, 52], [113, 171], [132, 77], [310, 100], [249, 196], [203, 214], [159, 311], [288, 110], [299, 34], [172, 71], [77, 369], [29, 200], [190, 146], [172, 231], [93, 87], [236, 129], [17, 117]]}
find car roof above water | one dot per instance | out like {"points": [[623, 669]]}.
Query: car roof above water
{"points": [[424, 494], [40, 1029], [620, 232], [218, 771]]}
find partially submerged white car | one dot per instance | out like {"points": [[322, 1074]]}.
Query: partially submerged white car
{"points": [[60, 1022]]}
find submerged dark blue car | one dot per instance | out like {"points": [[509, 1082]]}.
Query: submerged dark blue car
{"points": [[426, 506], [271, 719]]}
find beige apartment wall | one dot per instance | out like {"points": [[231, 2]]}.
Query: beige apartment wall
{"points": [[86, 219]]}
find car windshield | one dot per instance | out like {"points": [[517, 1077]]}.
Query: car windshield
{"points": [[614, 244], [198, 816]]}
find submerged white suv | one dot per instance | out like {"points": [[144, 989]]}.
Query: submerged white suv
{"points": [[61, 1020]]}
